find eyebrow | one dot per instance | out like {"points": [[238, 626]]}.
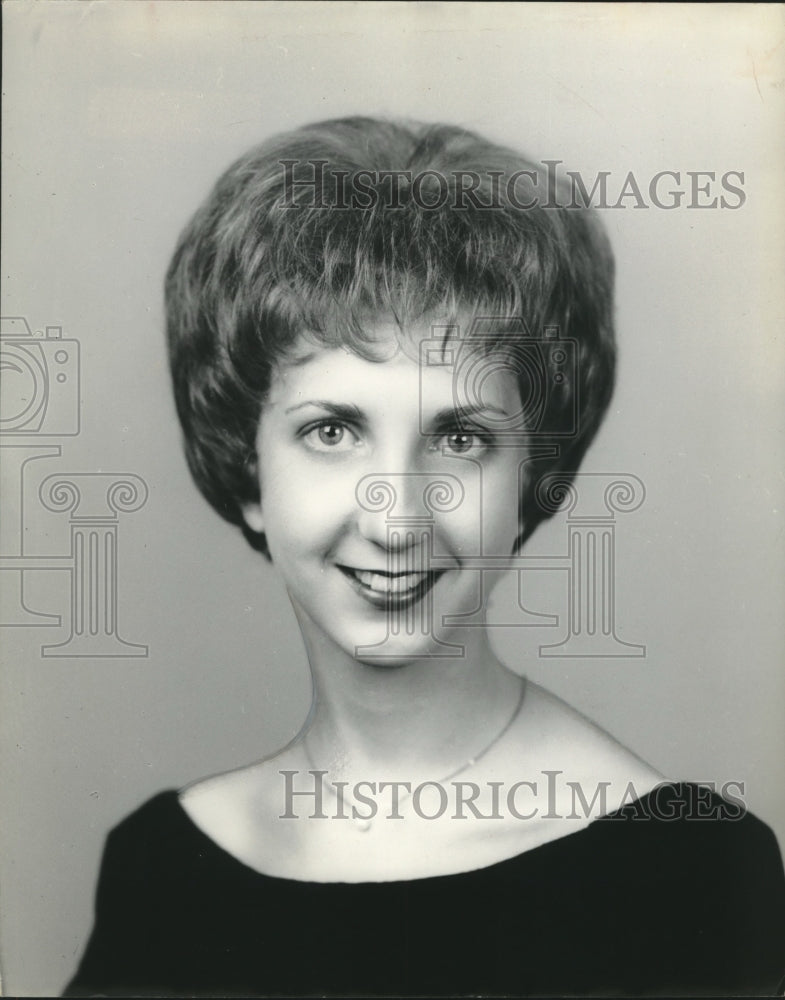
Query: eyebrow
{"points": [[350, 412], [461, 412], [343, 411]]}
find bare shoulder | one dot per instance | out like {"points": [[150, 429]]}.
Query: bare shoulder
{"points": [[219, 795], [553, 738], [237, 809]]}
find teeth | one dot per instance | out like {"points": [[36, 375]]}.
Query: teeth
{"points": [[389, 584]]}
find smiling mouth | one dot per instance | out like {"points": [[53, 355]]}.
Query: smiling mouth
{"points": [[390, 589]]}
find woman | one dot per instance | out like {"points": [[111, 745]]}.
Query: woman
{"points": [[385, 340]]}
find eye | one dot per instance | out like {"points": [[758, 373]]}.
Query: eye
{"points": [[463, 442], [329, 435], [460, 442]]}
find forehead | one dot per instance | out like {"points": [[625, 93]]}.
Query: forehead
{"points": [[432, 361]]}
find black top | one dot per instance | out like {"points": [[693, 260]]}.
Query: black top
{"points": [[677, 893]]}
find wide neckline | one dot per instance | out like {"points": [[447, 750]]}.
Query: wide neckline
{"points": [[173, 796]]}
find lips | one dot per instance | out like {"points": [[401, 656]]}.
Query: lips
{"points": [[389, 583], [386, 590]]}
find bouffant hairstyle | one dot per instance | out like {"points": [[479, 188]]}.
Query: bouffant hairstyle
{"points": [[323, 230]]}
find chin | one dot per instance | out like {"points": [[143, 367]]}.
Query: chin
{"points": [[366, 638], [399, 651], [386, 662]]}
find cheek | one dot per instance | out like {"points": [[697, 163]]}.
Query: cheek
{"points": [[491, 529], [486, 519], [503, 523], [301, 509]]}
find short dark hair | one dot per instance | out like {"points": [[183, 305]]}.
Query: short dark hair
{"points": [[279, 249]]}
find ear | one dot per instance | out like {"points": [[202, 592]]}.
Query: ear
{"points": [[253, 517]]}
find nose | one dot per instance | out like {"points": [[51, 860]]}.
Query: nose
{"points": [[396, 510], [386, 507]]}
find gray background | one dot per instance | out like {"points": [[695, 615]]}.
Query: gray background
{"points": [[117, 118]]}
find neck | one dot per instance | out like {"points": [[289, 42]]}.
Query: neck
{"points": [[414, 721]]}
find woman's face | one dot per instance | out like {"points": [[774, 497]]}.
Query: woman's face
{"points": [[379, 478]]}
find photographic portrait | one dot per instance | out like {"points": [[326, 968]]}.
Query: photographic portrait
{"points": [[391, 546]]}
